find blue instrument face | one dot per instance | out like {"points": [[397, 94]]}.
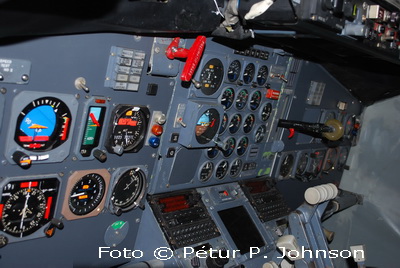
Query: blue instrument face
{"points": [[43, 124]]}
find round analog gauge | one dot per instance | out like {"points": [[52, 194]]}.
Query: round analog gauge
{"points": [[227, 98], [242, 146], [43, 124], [230, 147], [23, 212], [241, 99], [211, 76], [255, 100], [286, 165], [234, 124], [206, 171], [348, 128], [248, 73], [128, 189], [331, 157], [260, 134], [266, 112], [342, 157], [262, 75], [212, 152], [302, 164], [236, 167], [207, 126], [249, 123], [222, 170], [128, 129], [224, 124], [86, 194], [317, 162], [234, 70]]}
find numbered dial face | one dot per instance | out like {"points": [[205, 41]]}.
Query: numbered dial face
{"points": [[27, 205], [236, 167], [234, 70], [341, 162], [255, 100], [93, 127], [222, 170], [249, 123], [206, 171], [207, 126], [129, 129], [249, 72], [234, 124], [86, 194], [128, 189], [262, 75], [317, 161], [212, 152], [242, 146], [43, 124], [286, 165], [211, 76], [230, 145], [228, 98], [224, 124], [331, 158], [241, 99], [266, 112], [260, 134], [302, 165]]}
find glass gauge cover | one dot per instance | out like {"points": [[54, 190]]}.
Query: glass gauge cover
{"points": [[207, 126], [128, 189], [262, 75], [255, 100], [349, 126], [260, 134], [341, 162], [236, 167], [222, 170], [43, 124], [331, 157], [235, 123], [249, 123], [242, 146], [228, 98], [211, 76], [302, 164], [224, 124], [286, 165], [234, 70], [93, 127], [317, 161], [212, 152], [86, 194], [230, 145], [248, 73], [266, 112], [241, 99], [206, 171]]}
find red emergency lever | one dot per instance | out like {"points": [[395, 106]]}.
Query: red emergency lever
{"points": [[193, 55]]}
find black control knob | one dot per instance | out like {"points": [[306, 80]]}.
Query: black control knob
{"points": [[217, 260], [21, 159], [100, 155]]}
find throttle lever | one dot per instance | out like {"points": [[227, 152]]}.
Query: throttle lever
{"points": [[192, 55]]}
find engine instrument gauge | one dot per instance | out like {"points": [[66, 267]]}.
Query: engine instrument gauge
{"points": [[248, 73], [207, 126], [128, 189], [43, 124], [241, 99], [249, 123], [330, 159], [93, 127], [212, 152], [128, 129], [262, 75], [255, 100], [266, 112], [286, 165], [224, 124], [206, 171], [211, 76], [230, 145], [86, 194], [242, 146], [222, 170], [227, 98], [317, 160], [234, 124], [26, 206], [302, 164], [341, 162], [260, 134], [236, 167], [234, 70]]}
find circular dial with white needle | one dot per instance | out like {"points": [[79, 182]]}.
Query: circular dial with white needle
{"points": [[128, 188]]}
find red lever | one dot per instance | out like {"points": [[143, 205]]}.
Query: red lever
{"points": [[193, 55], [291, 134]]}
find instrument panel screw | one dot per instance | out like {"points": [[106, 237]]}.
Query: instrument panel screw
{"points": [[25, 77], [137, 220], [3, 90]]}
